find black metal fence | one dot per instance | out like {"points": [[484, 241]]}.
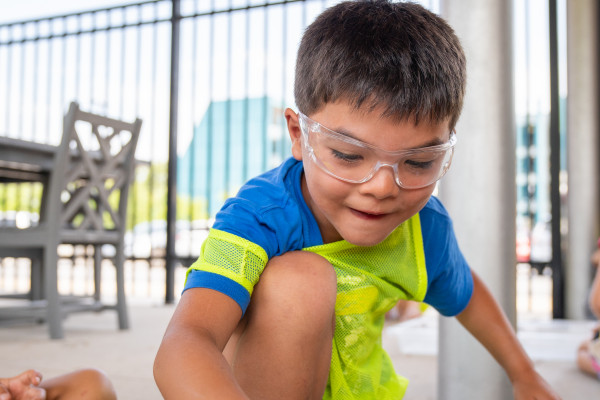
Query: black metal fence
{"points": [[209, 78]]}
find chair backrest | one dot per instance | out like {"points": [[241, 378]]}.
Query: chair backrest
{"points": [[93, 168]]}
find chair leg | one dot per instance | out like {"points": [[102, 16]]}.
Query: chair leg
{"points": [[121, 301], [97, 272], [37, 290], [54, 313]]}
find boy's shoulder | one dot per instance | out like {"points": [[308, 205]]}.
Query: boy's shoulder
{"points": [[278, 177], [269, 210], [434, 208], [271, 189], [436, 225]]}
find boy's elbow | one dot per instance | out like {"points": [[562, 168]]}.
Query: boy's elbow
{"points": [[594, 297], [157, 368], [594, 302], [163, 365]]}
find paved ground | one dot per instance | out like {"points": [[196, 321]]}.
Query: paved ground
{"points": [[127, 356], [551, 344]]}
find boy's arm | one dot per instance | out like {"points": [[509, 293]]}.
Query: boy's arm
{"points": [[486, 321], [594, 297], [189, 363]]}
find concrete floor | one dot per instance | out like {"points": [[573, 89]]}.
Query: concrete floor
{"points": [[127, 356], [551, 344]]}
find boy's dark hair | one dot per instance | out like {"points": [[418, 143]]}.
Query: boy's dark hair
{"points": [[399, 56]]}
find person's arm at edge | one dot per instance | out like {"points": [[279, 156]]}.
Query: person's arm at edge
{"points": [[594, 298], [189, 363], [486, 321]]}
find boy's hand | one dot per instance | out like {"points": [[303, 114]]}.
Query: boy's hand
{"points": [[533, 388], [486, 321], [22, 387], [596, 258]]}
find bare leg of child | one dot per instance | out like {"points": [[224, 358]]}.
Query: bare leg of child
{"points": [[86, 384], [282, 347]]}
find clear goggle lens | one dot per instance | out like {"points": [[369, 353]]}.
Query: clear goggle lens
{"points": [[354, 161]]}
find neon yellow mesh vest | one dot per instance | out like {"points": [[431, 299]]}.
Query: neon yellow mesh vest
{"points": [[371, 280]]}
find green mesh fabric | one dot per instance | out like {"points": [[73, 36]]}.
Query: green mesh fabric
{"points": [[370, 282], [232, 256]]}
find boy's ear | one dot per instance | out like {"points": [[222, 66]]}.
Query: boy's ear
{"points": [[293, 126]]}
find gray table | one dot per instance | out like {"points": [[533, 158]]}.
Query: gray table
{"points": [[25, 161]]}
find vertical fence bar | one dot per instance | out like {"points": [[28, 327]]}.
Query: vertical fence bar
{"points": [[123, 32], [21, 85], [34, 93], [154, 74], [210, 114], [228, 77], [63, 66], [284, 85], [77, 80], [49, 74], [266, 149], [194, 103], [246, 132], [9, 74], [107, 57], [19, 189], [558, 306], [172, 171], [134, 193], [93, 39]]}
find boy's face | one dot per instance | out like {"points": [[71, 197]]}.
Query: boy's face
{"points": [[365, 213]]}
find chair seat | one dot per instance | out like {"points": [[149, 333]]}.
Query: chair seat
{"points": [[74, 236], [15, 240]]}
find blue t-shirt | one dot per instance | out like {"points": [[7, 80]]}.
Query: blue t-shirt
{"points": [[271, 212]]}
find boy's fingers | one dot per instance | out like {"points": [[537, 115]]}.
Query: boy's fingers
{"points": [[35, 393], [30, 377], [4, 395]]}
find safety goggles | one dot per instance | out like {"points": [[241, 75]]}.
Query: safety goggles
{"points": [[354, 161]]}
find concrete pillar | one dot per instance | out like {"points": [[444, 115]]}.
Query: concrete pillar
{"points": [[583, 150], [479, 191]]}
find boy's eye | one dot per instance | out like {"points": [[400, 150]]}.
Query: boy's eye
{"points": [[416, 164], [346, 157]]}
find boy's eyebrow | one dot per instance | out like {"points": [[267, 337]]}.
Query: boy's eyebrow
{"points": [[433, 142], [347, 133]]}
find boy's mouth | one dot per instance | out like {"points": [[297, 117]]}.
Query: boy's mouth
{"points": [[367, 215]]}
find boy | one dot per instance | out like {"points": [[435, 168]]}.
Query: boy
{"points": [[346, 228]]}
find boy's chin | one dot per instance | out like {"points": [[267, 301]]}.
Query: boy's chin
{"points": [[362, 240]]}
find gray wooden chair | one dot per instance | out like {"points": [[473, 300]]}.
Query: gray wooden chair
{"points": [[85, 202]]}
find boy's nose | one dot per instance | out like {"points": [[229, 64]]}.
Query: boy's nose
{"points": [[382, 184]]}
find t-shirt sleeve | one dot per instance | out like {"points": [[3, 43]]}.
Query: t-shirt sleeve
{"points": [[450, 283], [262, 221], [229, 264]]}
